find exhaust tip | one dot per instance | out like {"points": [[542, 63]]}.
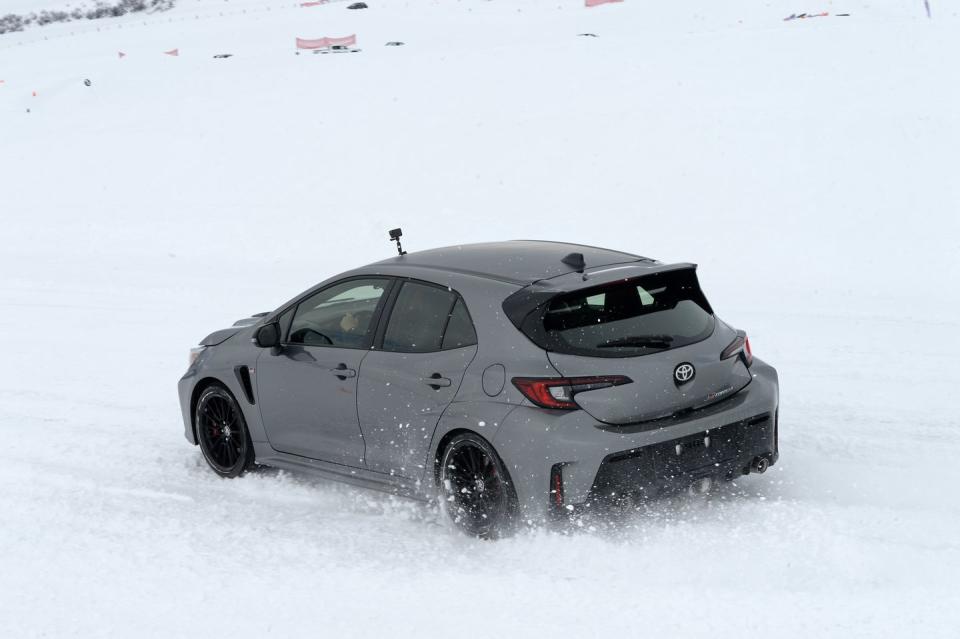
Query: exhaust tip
{"points": [[760, 465]]}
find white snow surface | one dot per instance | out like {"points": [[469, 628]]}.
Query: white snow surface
{"points": [[808, 167]]}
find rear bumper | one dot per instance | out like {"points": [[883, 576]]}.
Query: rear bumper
{"points": [[652, 471], [598, 462]]}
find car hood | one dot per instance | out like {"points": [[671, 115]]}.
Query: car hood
{"points": [[219, 337]]}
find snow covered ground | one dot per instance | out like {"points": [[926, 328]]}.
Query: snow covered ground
{"points": [[809, 167]]}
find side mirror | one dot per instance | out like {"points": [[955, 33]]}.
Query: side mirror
{"points": [[267, 336]]}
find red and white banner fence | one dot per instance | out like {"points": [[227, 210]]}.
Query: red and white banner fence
{"points": [[324, 43], [596, 3]]}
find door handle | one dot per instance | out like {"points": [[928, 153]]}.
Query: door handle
{"points": [[437, 381], [343, 372]]}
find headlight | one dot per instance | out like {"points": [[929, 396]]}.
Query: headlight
{"points": [[195, 353]]}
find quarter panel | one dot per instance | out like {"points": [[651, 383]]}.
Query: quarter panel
{"points": [[484, 418]]}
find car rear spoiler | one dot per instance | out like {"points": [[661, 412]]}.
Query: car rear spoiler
{"points": [[528, 299]]}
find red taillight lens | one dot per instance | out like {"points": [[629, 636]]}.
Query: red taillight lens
{"points": [[739, 346], [558, 392]]}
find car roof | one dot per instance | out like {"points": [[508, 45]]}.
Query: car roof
{"points": [[515, 261]]}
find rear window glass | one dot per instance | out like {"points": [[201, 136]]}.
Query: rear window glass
{"points": [[631, 318]]}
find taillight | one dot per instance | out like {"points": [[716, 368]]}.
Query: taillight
{"points": [[558, 392], [739, 346]]}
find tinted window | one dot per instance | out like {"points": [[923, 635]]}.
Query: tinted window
{"points": [[284, 320], [339, 315], [419, 318], [629, 318], [459, 331]]}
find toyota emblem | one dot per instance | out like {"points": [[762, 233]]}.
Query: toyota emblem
{"points": [[683, 373]]}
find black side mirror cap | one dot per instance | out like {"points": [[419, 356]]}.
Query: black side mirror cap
{"points": [[267, 336]]}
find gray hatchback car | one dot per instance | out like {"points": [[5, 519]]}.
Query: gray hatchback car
{"points": [[515, 381]]}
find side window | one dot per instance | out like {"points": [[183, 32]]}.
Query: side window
{"points": [[426, 319], [418, 319], [340, 315], [460, 330]]}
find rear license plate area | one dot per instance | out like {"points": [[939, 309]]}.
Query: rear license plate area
{"points": [[697, 454]]}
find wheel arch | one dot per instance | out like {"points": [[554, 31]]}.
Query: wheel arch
{"points": [[450, 436], [479, 418], [442, 446], [198, 390]]}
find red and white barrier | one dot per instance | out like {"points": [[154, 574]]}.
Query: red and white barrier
{"points": [[314, 4], [173, 52], [324, 43], [596, 3]]}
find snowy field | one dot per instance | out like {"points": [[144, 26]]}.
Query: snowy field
{"points": [[809, 167]]}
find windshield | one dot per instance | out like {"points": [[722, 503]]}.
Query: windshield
{"points": [[629, 318]]}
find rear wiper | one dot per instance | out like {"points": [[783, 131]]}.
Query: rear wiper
{"points": [[653, 341]]}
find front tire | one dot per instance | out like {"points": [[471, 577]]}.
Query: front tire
{"points": [[222, 433], [475, 489]]}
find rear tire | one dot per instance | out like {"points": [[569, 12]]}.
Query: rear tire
{"points": [[476, 492], [222, 433]]}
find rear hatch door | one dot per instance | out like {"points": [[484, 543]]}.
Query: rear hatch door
{"points": [[656, 391], [657, 329]]}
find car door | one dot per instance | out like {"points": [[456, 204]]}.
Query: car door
{"points": [[308, 386], [412, 376]]}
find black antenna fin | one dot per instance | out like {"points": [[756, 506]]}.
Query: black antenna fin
{"points": [[575, 261]]}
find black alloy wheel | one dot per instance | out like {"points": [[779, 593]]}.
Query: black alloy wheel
{"points": [[222, 433], [476, 490]]}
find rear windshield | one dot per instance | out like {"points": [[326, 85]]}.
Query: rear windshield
{"points": [[628, 318]]}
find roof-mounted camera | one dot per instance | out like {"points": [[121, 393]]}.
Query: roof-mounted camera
{"points": [[395, 236]]}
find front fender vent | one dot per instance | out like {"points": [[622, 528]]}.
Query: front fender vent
{"points": [[243, 376]]}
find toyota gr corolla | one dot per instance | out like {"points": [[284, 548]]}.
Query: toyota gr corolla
{"points": [[515, 381]]}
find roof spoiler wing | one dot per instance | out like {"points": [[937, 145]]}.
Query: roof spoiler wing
{"points": [[532, 297]]}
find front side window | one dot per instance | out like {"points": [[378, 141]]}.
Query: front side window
{"points": [[426, 319], [340, 315]]}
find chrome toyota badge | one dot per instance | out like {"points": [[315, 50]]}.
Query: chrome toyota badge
{"points": [[683, 373]]}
